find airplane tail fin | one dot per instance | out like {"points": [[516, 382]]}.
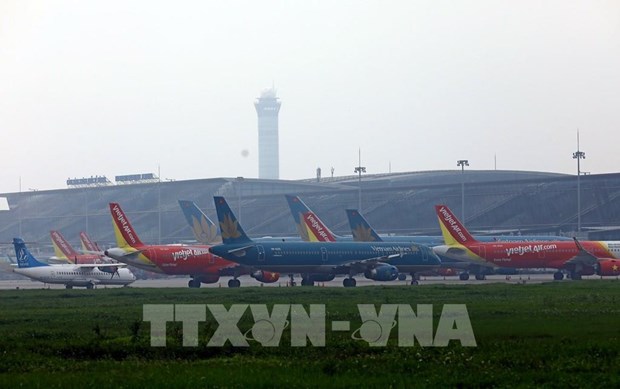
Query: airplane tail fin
{"points": [[24, 257], [125, 234], [310, 227], [205, 231], [87, 244], [454, 233], [317, 230], [360, 228], [298, 208], [232, 232], [62, 248]]}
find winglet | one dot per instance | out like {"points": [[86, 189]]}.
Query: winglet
{"points": [[454, 233], [232, 232], [205, 231], [124, 232], [360, 228], [24, 257]]}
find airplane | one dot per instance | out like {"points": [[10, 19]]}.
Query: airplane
{"points": [[318, 257], [205, 231], [193, 260], [63, 249], [576, 258], [84, 275]]}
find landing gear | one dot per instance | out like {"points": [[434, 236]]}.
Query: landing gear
{"points": [[90, 286], [402, 276], [234, 283], [68, 286], [292, 281], [349, 282], [558, 276], [193, 283], [464, 276], [481, 277], [414, 279], [307, 282]]}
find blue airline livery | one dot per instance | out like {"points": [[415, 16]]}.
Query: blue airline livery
{"points": [[380, 261]]}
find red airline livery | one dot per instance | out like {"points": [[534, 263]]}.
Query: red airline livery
{"points": [[577, 258], [193, 260]]}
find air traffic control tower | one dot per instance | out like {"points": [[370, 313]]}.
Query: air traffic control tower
{"points": [[267, 108]]}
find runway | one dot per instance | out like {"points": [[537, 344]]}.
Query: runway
{"points": [[247, 281]]}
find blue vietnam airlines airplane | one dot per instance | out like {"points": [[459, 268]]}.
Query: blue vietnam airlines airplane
{"points": [[379, 261]]}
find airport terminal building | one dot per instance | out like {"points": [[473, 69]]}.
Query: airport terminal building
{"points": [[505, 202]]}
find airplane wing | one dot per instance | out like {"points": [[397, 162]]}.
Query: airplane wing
{"points": [[361, 265], [240, 249], [94, 265], [584, 257]]}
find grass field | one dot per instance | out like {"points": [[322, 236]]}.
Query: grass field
{"points": [[564, 334]]}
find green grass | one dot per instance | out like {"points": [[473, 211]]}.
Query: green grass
{"points": [[563, 334]]}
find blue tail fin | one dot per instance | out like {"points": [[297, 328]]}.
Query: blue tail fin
{"points": [[205, 231], [298, 207], [232, 233], [360, 228], [24, 258]]}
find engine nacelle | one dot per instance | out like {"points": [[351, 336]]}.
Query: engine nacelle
{"points": [[608, 267], [108, 269], [382, 273], [207, 278], [322, 277], [265, 276]]}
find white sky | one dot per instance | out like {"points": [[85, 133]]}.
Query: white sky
{"points": [[122, 87]]}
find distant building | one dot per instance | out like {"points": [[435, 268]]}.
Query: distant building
{"points": [[267, 108]]}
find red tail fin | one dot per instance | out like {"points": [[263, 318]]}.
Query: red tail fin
{"points": [[61, 243], [318, 232], [451, 228], [87, 243], [125, 234]]}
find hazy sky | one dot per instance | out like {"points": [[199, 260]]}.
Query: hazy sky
{"points": [[122, 87]]}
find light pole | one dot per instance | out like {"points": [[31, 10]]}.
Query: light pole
{"points": [[462, 163], [359, 169], [578, 155], [239, 182]]}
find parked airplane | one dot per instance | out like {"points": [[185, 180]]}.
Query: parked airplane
{"points": [[577, 258], [85, 275], [63, 249], [194, 260], [205, 231], [318, 257]]}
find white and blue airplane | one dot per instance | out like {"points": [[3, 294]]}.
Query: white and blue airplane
{"points": [[82, 275]]}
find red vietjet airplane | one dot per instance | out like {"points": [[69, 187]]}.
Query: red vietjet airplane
{"points": [[63, 249], [195, 261], [578, 258]]}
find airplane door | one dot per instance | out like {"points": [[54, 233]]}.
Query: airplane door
{"points": [[261, 253], [323, 254]]}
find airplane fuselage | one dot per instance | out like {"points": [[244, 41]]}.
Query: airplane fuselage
{"points": [[326, 257], [539, 254], [76, 276], [172, 260]]}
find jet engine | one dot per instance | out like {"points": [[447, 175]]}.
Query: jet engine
{"points": [[382, 272], [265, 276]]}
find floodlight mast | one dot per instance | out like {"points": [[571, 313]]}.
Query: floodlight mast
{"points": [[462, 163]]}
